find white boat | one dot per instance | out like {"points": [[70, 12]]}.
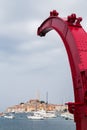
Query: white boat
{"points": [[9, 116], [50, 114], [42, 114], [35, 116]]}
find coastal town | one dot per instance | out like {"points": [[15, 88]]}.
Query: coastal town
{"points": [[35, 105]]}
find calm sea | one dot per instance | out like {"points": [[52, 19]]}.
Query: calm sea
{"points": [[22, 123]]}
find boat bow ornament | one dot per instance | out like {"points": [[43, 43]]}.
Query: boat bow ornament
{"points": [[75, 40]]}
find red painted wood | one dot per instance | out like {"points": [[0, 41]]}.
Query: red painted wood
{"points": [[75, 40]]}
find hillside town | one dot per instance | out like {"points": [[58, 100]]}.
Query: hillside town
{"points": [[40, 109], [35, 104]]}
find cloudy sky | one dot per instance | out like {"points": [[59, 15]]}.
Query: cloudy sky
{"points": [[31, 66]]}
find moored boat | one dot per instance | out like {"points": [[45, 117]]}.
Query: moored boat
{"points": [[35, 116], [8, 116], [42, 114]]}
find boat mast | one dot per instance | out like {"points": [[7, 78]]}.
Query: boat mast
{"points": [[46, 101]]}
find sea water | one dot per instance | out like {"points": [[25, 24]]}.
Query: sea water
{"points": [[22, 123]]}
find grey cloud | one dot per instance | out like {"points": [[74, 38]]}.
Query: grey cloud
{"points": [[28, 62]]}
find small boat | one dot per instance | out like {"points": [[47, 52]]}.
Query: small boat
{"points": [[42, 114], [9, 116], [50, 114], [35, 116]]}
